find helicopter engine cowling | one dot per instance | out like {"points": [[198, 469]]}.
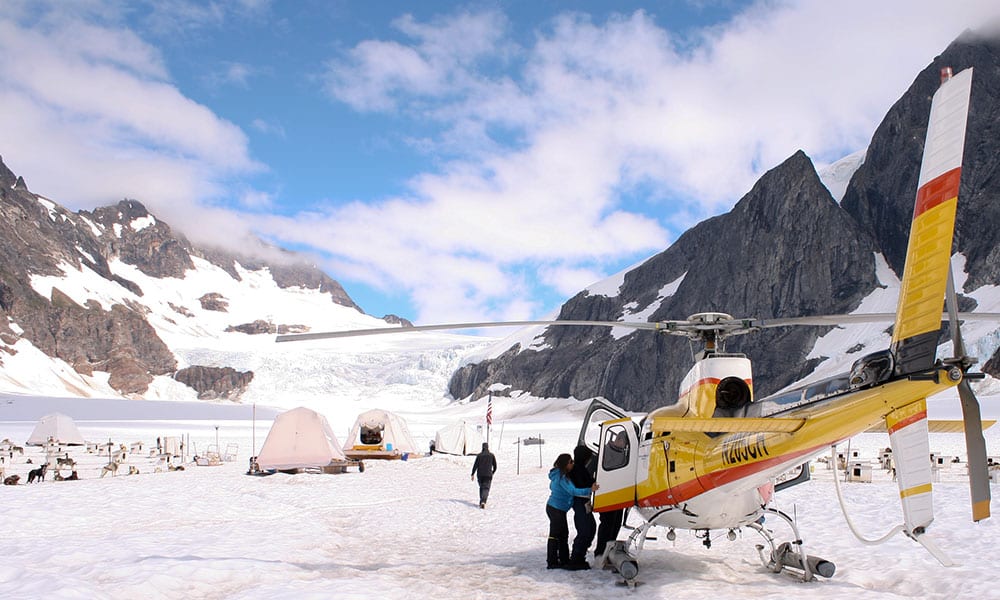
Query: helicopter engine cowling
{"points": [[700, 392], [871, 369], [731, 396]]}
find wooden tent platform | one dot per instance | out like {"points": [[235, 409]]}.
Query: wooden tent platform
{"points": [[373, 454]]}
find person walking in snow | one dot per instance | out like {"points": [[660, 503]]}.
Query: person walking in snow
{"points": [[485, 465], [560, 500]]}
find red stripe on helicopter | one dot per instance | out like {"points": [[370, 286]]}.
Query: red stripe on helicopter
{"points": [[942, 188], [710, 481], [706, 380], [908, 421]]}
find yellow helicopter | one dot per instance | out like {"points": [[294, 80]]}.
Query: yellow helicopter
{"points": [[709, 461]]}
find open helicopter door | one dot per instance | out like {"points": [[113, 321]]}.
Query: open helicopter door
{"points": [[616, 465], [615, 439]]}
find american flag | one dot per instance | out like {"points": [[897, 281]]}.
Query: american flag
{"points": [[489, 411]]}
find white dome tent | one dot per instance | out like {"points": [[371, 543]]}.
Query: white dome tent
{"points": [[458, 438], [55, 428], [299, 438], [379, 434]]}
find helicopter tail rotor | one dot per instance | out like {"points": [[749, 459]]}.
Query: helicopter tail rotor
{"points": [[975, 444]]}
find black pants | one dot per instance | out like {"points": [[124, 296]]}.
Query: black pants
{"points": [[585, 526], [484, 488], [558, 546], [611, 523]]}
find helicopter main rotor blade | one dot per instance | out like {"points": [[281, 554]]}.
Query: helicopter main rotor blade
{"points": [[685, 327], [975, 443], [853, 319], [322, 335]]}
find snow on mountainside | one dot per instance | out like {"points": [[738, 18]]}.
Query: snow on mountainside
{"points": [[284, 374], [836, 176], [112, 303], [182, 319]]}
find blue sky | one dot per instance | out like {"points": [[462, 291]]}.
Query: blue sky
{"points": [[448, 161]]}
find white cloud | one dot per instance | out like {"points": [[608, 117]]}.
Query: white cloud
{"points": [[257, 200], [96, 102], [439, 63], [599, 107], [232, 74], [269, 128]]}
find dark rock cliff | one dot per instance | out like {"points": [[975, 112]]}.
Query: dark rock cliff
{"points": [[786, 249], [880, 195]]}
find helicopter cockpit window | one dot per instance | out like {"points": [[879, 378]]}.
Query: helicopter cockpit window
{"points": [[371, 435], [616, 448]]}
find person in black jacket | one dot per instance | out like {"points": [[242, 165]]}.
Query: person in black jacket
{"points": [[583, 519], [485, 465]]}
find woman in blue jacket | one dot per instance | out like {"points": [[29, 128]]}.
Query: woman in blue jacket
{"points": [[560, 501]]}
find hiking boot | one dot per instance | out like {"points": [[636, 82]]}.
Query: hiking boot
{"points": [[578, 566], [482, 505]]}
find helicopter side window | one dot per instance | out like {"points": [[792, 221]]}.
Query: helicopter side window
{"points": [[616, 448]]}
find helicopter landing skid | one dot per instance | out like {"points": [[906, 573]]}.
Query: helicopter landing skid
{"points": [[621, 555], [790, 555]]}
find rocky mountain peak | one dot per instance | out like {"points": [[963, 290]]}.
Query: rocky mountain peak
{"points": [[135, 237], [7, 177], [786, 249]]}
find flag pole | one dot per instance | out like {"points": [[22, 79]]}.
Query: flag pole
{"points": [[489, 416]]}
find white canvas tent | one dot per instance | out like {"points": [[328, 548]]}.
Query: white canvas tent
{"points": [[458, 438], [381, 430], [299, 438], [57, 428]]}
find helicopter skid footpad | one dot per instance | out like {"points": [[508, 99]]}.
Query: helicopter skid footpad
{"points": [[787, 557], [622, 562]]}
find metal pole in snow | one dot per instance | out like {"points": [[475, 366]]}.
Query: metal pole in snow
{"points": [[519, 455]]}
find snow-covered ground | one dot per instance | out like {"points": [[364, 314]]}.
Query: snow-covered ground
{"points": [[413, 529]]}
